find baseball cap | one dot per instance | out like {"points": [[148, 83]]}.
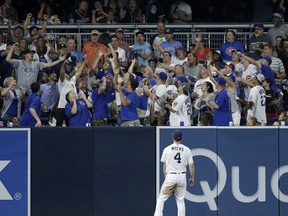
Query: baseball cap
{"points": [[267, 58], [177, 135], [26, 52], [260, 77], [34, 27], [120, 30], [277, 15], [203, 65], [152, 60], [20, 27], [140, 31], [163, 76], [230, 65], [217, 51], [181, 48], [221, 81], [61, 46], [168, 30], [259, 25], [72, 60], [231, 75], [95, 32], [182, 78]]}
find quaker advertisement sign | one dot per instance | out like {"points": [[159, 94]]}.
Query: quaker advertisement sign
{"points": [[237, 171]]}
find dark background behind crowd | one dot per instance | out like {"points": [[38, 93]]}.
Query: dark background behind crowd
{"points": [[202, 10]]}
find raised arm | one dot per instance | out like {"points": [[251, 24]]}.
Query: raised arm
{"points": [[26, 23], [95, 64], [9, 55], [251, 60], [60, 59]]}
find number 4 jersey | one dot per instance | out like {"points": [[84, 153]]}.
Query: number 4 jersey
{"points": [[177, 157]]}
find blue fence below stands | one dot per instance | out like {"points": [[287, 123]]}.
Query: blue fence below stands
{"points": [[117, 171]]}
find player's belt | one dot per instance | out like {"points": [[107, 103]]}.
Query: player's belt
{"points": [[177, 172]]}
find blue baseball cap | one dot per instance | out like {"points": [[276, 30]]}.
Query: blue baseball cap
{"points": [[140, 31], [231, 75], [221, 81], [277, 15], [259, 25], [169, 31], [267, 58], [163, 76], [177, 135]]}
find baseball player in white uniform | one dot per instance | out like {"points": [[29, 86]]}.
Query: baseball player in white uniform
{"points": [[176, 157]]}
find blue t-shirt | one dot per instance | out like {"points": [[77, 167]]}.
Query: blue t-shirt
{"points": [[130, 112], [108, 75], [171, 47], [142, 102], [227, 47], [81, 117], [32, 101], [144, 49], [100, 104], [268, 73], [223, 115]]}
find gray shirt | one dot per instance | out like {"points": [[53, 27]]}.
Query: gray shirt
{"points": [[26, 73], [273, 32]]}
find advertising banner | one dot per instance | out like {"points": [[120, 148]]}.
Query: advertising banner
{"points": [[238, 170], [282, 173], [15, 172]]}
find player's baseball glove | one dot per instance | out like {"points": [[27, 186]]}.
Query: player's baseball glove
{"points": [[170, 189]]}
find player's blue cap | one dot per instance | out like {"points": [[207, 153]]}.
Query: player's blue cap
{"points": [[177, 135]]}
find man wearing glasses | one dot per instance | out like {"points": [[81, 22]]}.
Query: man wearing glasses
{"points": [[257, 41]]}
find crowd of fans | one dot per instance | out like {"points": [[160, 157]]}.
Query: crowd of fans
{"points": [[156, 82]]}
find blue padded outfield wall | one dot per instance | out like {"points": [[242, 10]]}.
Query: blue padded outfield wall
{"points": [[15, 172], [239, 171], [116, 171]]}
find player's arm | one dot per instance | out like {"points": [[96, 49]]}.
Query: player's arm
{"points": [[192, 172], [164, 169]]}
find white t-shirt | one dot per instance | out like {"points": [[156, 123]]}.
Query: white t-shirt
{"points": [[121, 54], [161, 92], [182, 106], [247, 74], [258, 97], [64, 88], [177, 157], [198, 89]]}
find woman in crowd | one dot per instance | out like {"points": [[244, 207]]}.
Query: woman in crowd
{"points": [[132, 14], [101, 14], [77, 110], [203, 53], [206, 111], [12, 99]]}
